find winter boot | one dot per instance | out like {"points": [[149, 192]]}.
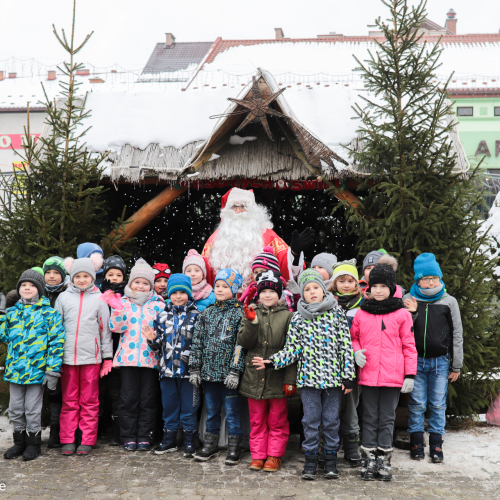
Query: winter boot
{"points": [[210, 448], [384, 470], [436, 448], [417, 446], [33, 445], [351, 455], [19, 445], [233, 450], [368, 464], [309, 470], [189, 443], [54, 441], [168, 443], [115, 432], [331, 471]]}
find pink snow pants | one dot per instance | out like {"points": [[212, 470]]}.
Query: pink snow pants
{"points": [[269, 430], [80, 406]]}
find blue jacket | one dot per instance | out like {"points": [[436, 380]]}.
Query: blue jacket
{"points": [[204, 303], [35, 337], [174, 334]]}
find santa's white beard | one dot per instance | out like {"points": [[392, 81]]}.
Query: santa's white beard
{"points": [[239, 239]]}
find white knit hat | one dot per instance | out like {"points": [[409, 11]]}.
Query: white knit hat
{"points": [[193, 257], [142, 269]]}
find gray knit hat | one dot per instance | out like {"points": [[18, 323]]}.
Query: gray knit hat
{"points": [[326, 261], [142, 269], [309, 275], [372, 258], [33, 277], [83, 266]]}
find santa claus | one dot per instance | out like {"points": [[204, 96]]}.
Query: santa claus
{"points": [[245, 229]]}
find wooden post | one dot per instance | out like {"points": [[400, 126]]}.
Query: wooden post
{"points": [[147, 213], [351, 198]]}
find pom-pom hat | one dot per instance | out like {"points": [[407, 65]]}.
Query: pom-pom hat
{"points": [[266, 260], [142, 269], [193, 257]]}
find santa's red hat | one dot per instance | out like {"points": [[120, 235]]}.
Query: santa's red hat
{"points": [[236, 196]]}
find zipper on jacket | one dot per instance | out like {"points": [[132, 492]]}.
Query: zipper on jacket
{"points": [[425, 330], [78, 322], [140, 340], [96, 348]]}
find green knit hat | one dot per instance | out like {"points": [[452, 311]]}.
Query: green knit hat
{"points": [[56, 263], [345, 267]]}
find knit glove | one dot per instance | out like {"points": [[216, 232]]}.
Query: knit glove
{"points": [[232, 380], [301, 242], [360, 358], [289, 390], [250, 314], [195, 378], [114, 300], [106, 366], [407, 385], [50, 380]]}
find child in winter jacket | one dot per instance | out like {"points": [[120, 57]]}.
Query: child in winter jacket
{"points": [[346, 289], [384, 350], [194, 266], [439, 341], [162, 275], [218, 361], [55, 276], [318, 338], [34, 335], [173, 337], [88, 345], [138, 363], [114, 272], [263, 333]]}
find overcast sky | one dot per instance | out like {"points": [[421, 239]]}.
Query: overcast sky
{"points": [[126, 31]]}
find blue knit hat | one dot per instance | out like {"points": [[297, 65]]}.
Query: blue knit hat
{"points": [[179, 283], [232, 277], [87, 249], [426, 265]]}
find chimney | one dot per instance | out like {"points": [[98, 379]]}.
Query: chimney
{"points": [[451, 21], [279, 34], [51, 75], [1, 76], [12, 75], [170, 39]]}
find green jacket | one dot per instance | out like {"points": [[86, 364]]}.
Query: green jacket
{"points": [[263, 339]]}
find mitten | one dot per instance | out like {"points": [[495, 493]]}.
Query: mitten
{"points": [[106, 366], [114, 300], [250, 314], [232, 380], [50, 380], [407, 385], [289, 390], [360, 358], [195, 378]]}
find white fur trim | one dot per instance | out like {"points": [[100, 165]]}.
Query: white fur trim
{"points": [[242, 196]]}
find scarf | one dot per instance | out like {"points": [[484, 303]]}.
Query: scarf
{"points": [[312, 311], [139, 298], [346, 301], [54, 288], [201, 290], [386, 306], [428, 294], [29, 302]]}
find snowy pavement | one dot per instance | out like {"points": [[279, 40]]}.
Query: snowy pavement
{"points": [[471, 470]]}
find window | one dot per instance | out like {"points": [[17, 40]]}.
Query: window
{"points": [[465, 111], [497, 111]]}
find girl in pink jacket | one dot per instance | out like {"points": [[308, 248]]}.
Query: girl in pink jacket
{"points": [[384, 350]]}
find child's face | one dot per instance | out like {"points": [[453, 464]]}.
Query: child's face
{"points": [[82, 280], [27, 290], [380, 292], [257, 271], [323, 272], [161, 285], [179, 298], [114, 276], [367, 271], [346, 284], [195, 273], [222, 291], [53, 277], [313, 293], [268, 298], [140, 285], [429, 282]]}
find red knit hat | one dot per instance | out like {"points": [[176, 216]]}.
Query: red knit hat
{"points": [[266, 260], [162, 271]]}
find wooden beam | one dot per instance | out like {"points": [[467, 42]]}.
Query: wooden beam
{"points": [[350, 198], [146, 214]]}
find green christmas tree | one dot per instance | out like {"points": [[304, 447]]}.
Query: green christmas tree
{"points": [[55, 200], [416, 199]]}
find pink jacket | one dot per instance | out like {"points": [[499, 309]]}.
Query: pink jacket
{"points": [[390, 347]]}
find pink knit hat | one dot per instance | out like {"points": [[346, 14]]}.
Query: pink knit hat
{"points": [[266, 260], [142, 269], [193, 257]]}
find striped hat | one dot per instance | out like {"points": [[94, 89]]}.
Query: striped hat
{"points": [[346, 267], [179, 283], [266, 260]]}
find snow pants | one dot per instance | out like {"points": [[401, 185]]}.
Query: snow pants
{"points": [[269, 429], [25, 406], [80, 403]]}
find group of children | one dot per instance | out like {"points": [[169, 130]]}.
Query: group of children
{"points": [[86, 332]]}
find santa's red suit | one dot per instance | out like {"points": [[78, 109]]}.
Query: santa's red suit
{"points": [[270, 238]]}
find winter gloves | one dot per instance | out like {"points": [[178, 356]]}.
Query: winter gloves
{"points": [[50, 380], [195, 378], [106, 366], [301, 242], [407, 385], [232, 380], [360, 358], [289, 390]]}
